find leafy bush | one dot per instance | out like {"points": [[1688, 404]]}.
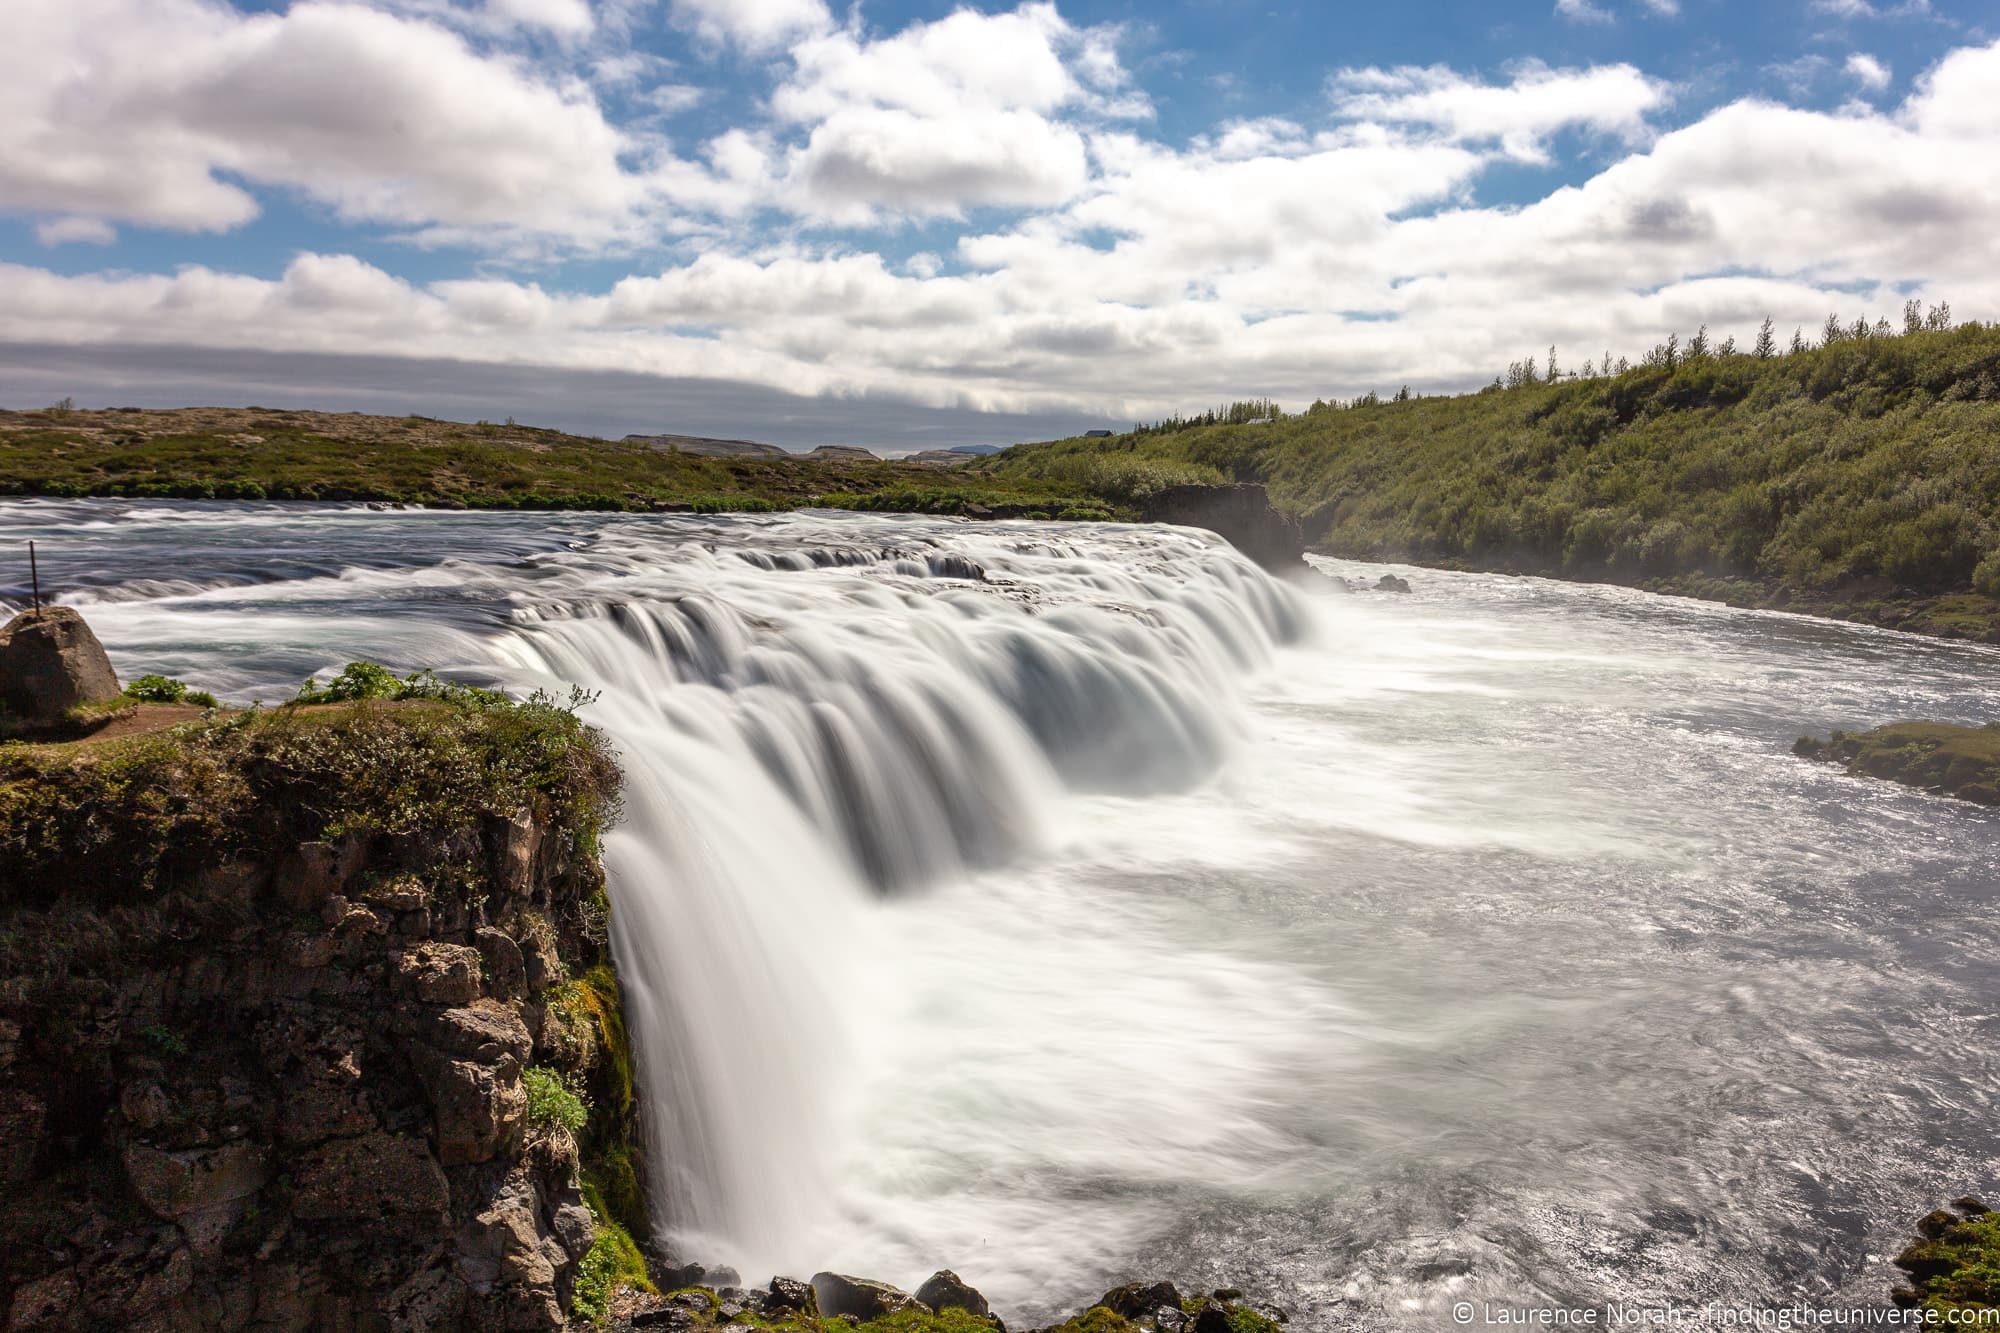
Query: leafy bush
{"points": [[163, 690], [551, 1103], [358, 681]]}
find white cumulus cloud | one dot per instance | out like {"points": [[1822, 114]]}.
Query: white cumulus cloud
{"points": [[1520, 114]]}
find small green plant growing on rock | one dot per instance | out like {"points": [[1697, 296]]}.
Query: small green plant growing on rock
{"points": [[551, 1103], [164, 1042]]}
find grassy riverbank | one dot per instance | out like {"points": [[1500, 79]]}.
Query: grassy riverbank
{"points": [[255, 454], [1858, 479]]}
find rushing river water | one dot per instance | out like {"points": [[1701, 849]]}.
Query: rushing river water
{"points": [[1125, 912]]}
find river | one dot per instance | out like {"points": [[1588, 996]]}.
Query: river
{"points": [[1069, 903]]}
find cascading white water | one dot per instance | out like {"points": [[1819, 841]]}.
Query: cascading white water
{"points": [[986, 902], [811, 712], [803, 728]]}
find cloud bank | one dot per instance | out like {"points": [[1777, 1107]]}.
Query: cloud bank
{"points": [[1073, 257]]}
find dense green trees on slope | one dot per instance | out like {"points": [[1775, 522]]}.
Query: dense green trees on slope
{"points": [[1868, 460]]}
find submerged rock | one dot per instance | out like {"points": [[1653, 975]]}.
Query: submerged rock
{"points": [[50, 662], [1390, 583]]}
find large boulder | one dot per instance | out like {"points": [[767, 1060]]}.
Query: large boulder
{"points": [[857, 1297], [1138, 1300], [49, 663], [947, 1291]]}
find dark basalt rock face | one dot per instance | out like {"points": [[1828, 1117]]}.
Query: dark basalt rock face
{"points": [[284, 1090], [1242, 514], [49, 663]]}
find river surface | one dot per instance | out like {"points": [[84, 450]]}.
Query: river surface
{"points": [[1124, 911]]}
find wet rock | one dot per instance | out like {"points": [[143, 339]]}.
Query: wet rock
{"points": [[788, 1293], [956, 567], [859, 1298], [49, 663], [1211, 1318], [1390, 583], [945, 1290], [1135, 1300]]}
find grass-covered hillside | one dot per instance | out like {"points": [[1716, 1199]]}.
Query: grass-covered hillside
{"points": [[255, 454], [1859, 476]]}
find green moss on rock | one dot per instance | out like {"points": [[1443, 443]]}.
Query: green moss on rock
{"points": [[1955, 1266], [1937, 756]]}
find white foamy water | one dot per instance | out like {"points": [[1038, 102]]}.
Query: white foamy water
{"points": [[1069, 903]]}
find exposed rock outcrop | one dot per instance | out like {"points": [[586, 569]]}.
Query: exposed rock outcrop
{"points": [[1241, 513], [943, 1304], [49, 663], [245, 1085], [1935, 756]]}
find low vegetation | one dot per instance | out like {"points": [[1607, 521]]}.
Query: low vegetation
{"points": [[1858, 475], [1935, 756], [148, 811], [255, 454], [1954, 1266]]}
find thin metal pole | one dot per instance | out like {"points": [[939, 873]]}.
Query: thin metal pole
{"points": [[35, 574]]}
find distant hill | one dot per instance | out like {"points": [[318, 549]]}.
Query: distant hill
{"points": [[980, 449], [703, 447], [1856, 477], [254, 453]]}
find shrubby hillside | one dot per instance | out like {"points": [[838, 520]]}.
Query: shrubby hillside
{"points": [[1854, 473]]}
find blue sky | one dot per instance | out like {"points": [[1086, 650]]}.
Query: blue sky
{"points": [[912, 222]]}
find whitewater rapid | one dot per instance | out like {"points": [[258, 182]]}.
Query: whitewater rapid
{"points": [[1064, 903]]}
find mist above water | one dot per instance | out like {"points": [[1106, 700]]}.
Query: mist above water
{"points": [[1123, 911]]}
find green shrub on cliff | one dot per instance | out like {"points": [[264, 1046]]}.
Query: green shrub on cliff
{"points": [[135, 818], [614, 1260], [551, 1103]]}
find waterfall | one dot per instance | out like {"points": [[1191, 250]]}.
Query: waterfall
{"points": [[818, 716], [807, 728]]}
